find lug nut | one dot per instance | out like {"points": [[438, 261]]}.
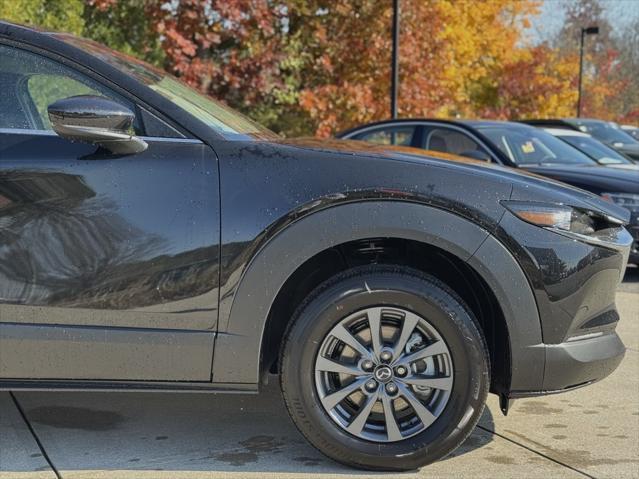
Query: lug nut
{"points": [[391, 388], [371, 385], [367, 365], [386, 356], [401, 371]]}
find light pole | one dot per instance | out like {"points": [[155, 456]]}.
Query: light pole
{"points": [[395, 60], [594, 30]]}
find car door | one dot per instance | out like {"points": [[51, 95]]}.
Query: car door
{"points": [[109, 265], [455, 141]]}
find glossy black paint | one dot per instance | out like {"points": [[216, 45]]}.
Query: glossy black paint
{"points": [[92, 233], [594, 178], [159, 239], [96, 120], [298, 177]]}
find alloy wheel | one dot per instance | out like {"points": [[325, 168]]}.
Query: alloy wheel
{"points": [[384, 374]]}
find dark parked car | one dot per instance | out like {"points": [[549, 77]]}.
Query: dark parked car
{"points": [[152, 239], [631, 130], [605, 131], [598, 151], [518, 146]]}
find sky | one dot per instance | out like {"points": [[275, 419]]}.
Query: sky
{"points": [[619, 12]]}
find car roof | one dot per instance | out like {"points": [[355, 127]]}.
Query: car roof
{"points": [[566, 123], [565, 132], [21, 32], [495, 124], [551, 123], [466, 124], [395, 121]]}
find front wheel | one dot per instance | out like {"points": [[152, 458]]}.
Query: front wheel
{"points": [[384, 368]]}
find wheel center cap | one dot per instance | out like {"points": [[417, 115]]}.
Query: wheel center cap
{"points": [[383, 374]]}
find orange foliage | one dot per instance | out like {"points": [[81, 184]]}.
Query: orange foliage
{"points": [[305, 66], [457, 58]]}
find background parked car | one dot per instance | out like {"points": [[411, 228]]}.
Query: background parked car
{"points": [[598, 151], [632, 130], [516, 145], [607, 132]]}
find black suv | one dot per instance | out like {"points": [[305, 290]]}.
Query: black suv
{"points": [[152, 239]]}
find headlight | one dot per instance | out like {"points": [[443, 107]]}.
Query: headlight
{"points": [[629, 201], [560, 217]]}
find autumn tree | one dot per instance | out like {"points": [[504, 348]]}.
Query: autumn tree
{"points": [[347, 78], [628, 70], [124, 25], [611, 64], [450, 57], [537, 83], [307, 67]]}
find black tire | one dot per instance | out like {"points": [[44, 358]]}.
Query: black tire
{"points": [[385, 285]]}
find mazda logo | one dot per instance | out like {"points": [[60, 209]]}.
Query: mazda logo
{"points": [[383, 374]]}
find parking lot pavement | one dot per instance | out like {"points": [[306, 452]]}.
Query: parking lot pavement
{"points": [[591, 432], [20, 456], [595, 429]]}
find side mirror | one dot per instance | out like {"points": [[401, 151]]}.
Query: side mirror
{"points": [[476, 155], [97, 120]]}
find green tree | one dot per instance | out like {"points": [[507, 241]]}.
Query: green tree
{"points": [[62, 15], [124, 25]]}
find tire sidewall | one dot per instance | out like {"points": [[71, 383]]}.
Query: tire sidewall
{"points": [[424, 297]]}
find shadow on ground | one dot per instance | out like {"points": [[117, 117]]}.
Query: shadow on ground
{"points": [[631, 275], [181, 432], [630, 283]]}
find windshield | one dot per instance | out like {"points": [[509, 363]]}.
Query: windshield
{"points": [[596, 150], [230, 124], [529, 146], [605, 131]]}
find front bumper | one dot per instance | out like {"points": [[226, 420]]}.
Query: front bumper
{"points": [[574, 283], [577, 363]]}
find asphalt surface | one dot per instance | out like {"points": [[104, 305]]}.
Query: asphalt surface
{"points": [[590, 432]]}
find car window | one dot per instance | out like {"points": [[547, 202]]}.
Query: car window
{"points": [[448, 140], [44, 89], [396, 135], [31, 82], [231, 124], [531, 146], [605, 131], [596, 150]]}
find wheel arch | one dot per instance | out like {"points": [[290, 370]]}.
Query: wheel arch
{"points": [[280, 258]]}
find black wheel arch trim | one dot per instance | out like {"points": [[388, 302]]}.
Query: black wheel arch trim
{"points": [[267, 272]]}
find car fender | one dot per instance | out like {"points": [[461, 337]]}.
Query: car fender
{"points": [[237, 349]]}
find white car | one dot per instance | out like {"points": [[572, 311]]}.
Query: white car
{"points": [[601, 153]]}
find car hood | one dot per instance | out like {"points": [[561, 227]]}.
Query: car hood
{"points": [[406, 154], [525, 184]]}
